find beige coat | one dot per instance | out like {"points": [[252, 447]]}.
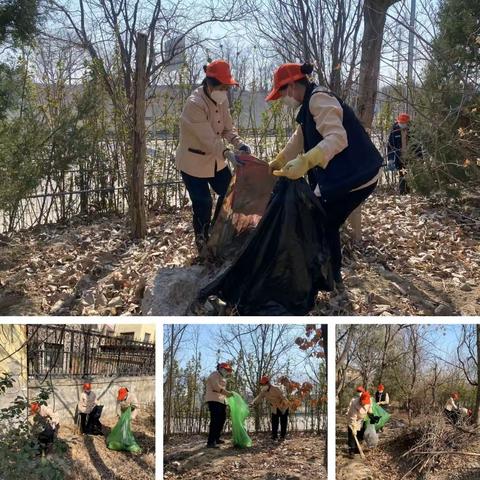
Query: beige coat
{"points": [[451, 405], [130, 401], [87, 402], [275, 397], [357, 413], [46, 416], [215, 388], [203, 126]]}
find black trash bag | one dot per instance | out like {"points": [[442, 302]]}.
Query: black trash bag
{"points": [[285, 263], [46, 437], [94, 426]]}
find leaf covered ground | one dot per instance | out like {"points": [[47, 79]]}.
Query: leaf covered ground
{"points": [[89, 457], [385, 462], [299, 457], [415, 258]]}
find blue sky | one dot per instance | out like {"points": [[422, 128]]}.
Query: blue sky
{"points": [[208, 346]]}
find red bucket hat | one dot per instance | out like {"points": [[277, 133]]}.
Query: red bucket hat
{"points": [[403, 118], [220, 70], [122, 394], [284, 74], [365, 398], [264, 380], [226, 366]]}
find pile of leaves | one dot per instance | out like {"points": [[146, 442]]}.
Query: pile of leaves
{"points": [[416, 258], [298, 458], [89, 267], [90, 458]]}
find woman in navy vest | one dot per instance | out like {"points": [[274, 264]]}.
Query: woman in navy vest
{"points": [[330, 145]]}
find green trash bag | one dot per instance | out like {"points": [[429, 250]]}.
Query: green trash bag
{"points": [[238, 413], [378, 411], [121, 436]]}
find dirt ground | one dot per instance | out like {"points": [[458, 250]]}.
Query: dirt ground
{"points": [[88, 456], [385, 462], [415, 258], [299, 457]]}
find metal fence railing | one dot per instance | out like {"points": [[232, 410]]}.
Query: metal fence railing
{"points": [[58, 350]]}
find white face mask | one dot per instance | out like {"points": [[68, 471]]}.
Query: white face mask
{"points": [[403, 125], [291, 102], [223, 372], [219, 96]]}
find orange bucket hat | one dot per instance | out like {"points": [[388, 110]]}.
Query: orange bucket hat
{"points": [[220, 70], [283, 75]]}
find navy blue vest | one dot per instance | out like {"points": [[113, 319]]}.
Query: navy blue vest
{"points": [[380, 396], [358, 163]]}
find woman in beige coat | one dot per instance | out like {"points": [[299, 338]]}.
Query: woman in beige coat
{"points": [[201, 153], [215, 395], [279, 405], [87, 403]]}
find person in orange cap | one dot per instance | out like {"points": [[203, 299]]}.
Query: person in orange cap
{"points": [[381, 396], [278, 404], [89, 412], [126, 399], [330, 146], [360, 389], [215, 394], [360, 407], [46, 422], [86, 404], [358, 393], [398, 145], [204, 125], [452, 410]]}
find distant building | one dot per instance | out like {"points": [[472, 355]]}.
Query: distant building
{"points": [[12, 337], [138, 332]]}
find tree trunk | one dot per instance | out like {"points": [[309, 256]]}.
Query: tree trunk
{"points": [[374, 15], [170, 384], [476, 413], [324, 329], [137, 169]]}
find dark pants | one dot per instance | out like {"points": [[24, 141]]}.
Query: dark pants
{"points": [[218, 415], [337, 213], [351, 440], [90, 423], [46, 438], [282, 418], [403, 188], [199, 193], [452, 415], [84, 423]]}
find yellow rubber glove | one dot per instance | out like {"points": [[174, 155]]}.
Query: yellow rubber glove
{"points": [[278, 163], [299, 166]]}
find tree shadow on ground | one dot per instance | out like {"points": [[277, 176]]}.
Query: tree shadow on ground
{"points": [[96, 460]]}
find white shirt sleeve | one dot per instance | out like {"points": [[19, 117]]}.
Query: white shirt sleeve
{"points": [[328, 115]]}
